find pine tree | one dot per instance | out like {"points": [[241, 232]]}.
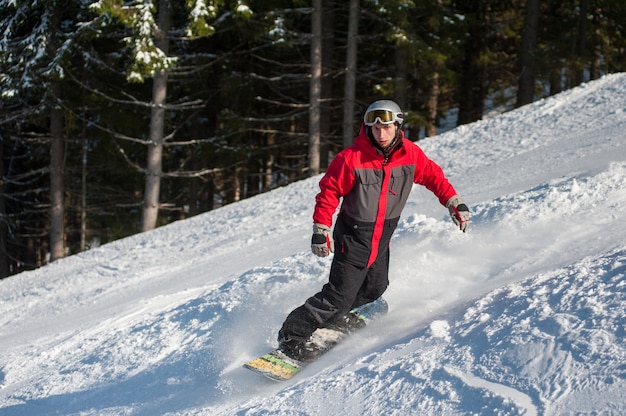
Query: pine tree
{"points": [[37, 38]]}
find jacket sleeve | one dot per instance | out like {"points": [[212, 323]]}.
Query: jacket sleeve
{"points": [[336, 183], [429, 174]]}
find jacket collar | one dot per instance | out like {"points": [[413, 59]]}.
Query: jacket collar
{"points": [[363, 140]]}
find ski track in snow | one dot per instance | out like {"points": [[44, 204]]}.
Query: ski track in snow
{"points": [[521, 399], [522, 315]]}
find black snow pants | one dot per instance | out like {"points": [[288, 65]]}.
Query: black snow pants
{"points": [[349, 285]]}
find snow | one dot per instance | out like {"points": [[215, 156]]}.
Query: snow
{"points": [[522, 315]]}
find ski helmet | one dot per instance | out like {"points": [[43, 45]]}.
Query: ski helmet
{"points": [[384, 112]]}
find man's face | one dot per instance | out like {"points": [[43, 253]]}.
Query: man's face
{"points": [[384, 134]]}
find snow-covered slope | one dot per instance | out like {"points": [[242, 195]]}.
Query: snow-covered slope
{"points": [[522, 315]]}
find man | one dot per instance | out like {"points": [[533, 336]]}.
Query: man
{"points": [[374, 177]]}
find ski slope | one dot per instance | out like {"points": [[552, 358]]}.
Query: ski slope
{"points": [[522, 315]]}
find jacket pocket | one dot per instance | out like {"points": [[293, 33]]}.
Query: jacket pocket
{"points": [[356, 241]]}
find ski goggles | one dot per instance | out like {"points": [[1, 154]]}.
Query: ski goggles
{"points": [[379, 116]]}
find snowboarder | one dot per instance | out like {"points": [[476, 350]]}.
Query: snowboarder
{"points": [[374, 177]]}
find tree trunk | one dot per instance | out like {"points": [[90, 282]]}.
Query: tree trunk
{"points": [[350, 85], [237, 185], [315, 88], [57, 189], [432, 106], [328, 23], [526, 84], [269, 163], [401, 71], [472, 89], [83, 199], [4, 258], [578, 76], [594, 70], [157, 123], [556, 84]]}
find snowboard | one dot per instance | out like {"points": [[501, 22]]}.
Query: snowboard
{"points": [[277, 366]]}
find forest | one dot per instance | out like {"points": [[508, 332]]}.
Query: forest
{"points": [[119, 116]]}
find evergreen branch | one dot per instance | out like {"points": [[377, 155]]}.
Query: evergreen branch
{"points": [[134, 101]]}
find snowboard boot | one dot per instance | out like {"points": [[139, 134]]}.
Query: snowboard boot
{"points": [[348, 323], [299, 350]]}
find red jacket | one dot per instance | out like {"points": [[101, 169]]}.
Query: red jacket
{"points": [[374, 191]]}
